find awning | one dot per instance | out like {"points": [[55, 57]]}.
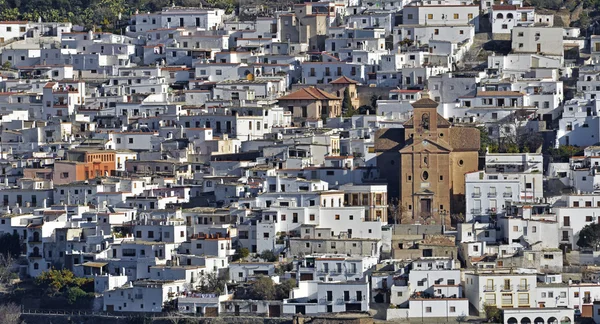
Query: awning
{"points": [[95, 264]]}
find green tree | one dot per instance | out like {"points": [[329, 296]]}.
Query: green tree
{"points": [[10, 245], [282, 291], [373, 101], [241, 253], [492, 313], [56, 282], [212, 283], [589, 236], [262, 289], [486, 142], [268, 256], [75, 294], [564, 152], [347, 101], [405, 43]]}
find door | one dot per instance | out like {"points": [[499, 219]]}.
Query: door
{"points": [[353, 307], [301, 309], [237, 310], [109, 308], [425, 207], [539, 48], [306, 276], [274, 311], [212, 311]]}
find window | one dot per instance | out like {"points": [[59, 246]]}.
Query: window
{"points": [[456, 16], [337, 217], [505, 27], [130, 141], [507, 299], [588, 218], [524, 299], [219, 72], [429, 16], [452, 309], [427, 309]]}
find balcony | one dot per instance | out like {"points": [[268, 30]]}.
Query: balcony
{"points": [[35, 241], [139, 296], [476, 195], [35, 255], [507, 194], [491, 195], [476, 211], [506, 288], [522, 287], [587, 300], [489, 288]]}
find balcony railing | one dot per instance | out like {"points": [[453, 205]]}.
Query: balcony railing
{"points": [[476, 195], [522, 287], [476, 211], [35, 255], [491, 194], [587, 300], [507, 194], [489, 288], [506, 288]]}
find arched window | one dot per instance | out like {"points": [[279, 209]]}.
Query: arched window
{"points": [[36, 266], [499, 16], [509, 16]]}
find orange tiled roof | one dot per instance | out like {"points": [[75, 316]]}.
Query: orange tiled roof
{"points": [[310, 93], [343, 80]]}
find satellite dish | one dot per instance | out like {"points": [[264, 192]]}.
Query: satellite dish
{"points": [[250, 77]]}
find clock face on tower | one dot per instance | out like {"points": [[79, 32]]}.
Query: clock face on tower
{"points": [[425, 121]]}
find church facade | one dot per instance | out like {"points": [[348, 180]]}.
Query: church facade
{"points": [[434, 157]]}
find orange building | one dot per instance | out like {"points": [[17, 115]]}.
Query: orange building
{"points": [[81, 165]]}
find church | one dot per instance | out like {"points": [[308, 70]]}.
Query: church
{"points": [[429, 157]]}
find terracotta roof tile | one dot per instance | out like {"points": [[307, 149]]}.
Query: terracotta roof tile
{"points": [[498, 94], [504, 7], [343, 80], [309, 93]]}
